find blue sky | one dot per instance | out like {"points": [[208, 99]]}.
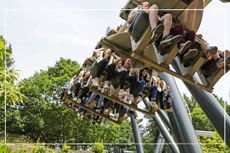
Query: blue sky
{"points": [[42, 31]]}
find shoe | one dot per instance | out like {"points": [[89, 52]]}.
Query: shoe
{"points": [[77, 110], [98, 110], [114, 116], [95, 82], [157, 33], [128, 101], [154, 106], [189, 56], [141, 94], [106, 111], [184, 47], [75, 99], [105, 87], [79, 101], [138, 99], [168, 43], [168, 108]]}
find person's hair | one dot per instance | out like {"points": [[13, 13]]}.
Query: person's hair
{"points": [[144, 69], [145, 2], [122, 62], [103, 54]]}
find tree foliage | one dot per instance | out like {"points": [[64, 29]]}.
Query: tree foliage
{"points": [[200, 122], [9, 90], [44, 119]]}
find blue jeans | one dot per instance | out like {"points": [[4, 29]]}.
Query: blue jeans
{"points": [[92, 97], [153, 91], [100, 102], [141, 86]]}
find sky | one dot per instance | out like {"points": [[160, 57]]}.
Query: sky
{"points": [[42, 31]]}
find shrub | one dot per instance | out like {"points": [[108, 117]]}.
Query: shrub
{"points": [[98, 148], [5, 149], [39, 149], [65, 148]]}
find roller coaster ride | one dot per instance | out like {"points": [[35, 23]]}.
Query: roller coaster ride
{"points": [[175, 125]]}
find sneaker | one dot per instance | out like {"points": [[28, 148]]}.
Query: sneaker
{"points": [[154, 106], [77, 110], [105, 87], [79, 101], [98, 110], [75, 99], [138, 99], [184, 47], [168, 107], [157, 33], [114, 116], [106, 111], [106, 84], [95, 82], [189, 56], [68, 92], [168, 43]]}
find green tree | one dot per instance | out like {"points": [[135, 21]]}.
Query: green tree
{"points": [[9, 89], [200, 122], [44, 119]]}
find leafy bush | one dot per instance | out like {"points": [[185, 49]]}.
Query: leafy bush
{"points": [[20, 151], [213, 144], [65, 148], [39, 149], [98, 148], [5, 149]]}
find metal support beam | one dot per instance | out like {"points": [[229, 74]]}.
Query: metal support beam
{"points": [[136, 134], [212, 109], [171, 143], [165, 118], [163, 128], [182, 126], [160, 144]]}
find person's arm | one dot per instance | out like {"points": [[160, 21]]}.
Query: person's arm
{"points": [[203, 44], [116, 58], [89, 81], [98, 52], [79, 77], [132, 15]]}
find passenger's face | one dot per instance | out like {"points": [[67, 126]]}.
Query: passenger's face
{"points": [[87, 74], [144, 73], [128, 63], [119, 63], [108, 53]]}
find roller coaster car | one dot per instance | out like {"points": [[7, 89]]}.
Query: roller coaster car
{"points": [[126, 105], [119, 42], [88, 111], [105, 115], [147, 53]]}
